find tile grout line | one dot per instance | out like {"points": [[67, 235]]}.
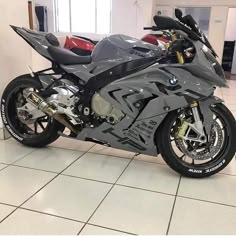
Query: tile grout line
{"points": [[117, 230], [146, 190], [42, 187], [122, 185], [106, 194], [112, 155], [54, 172], [12, 164], [70, 149], [50, 171], [172, 211], [207, 201], [62, 217], [84, 152]]}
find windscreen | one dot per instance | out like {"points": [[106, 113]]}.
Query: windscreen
{"points": [[189, 21]]}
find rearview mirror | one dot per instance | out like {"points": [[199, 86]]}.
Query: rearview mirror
{"points": [[165, 23], [178, 13]]}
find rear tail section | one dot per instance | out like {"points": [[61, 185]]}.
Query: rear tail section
{"points": [[37, 40]]}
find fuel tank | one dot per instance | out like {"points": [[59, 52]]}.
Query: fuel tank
{"points": [[118, 46]]}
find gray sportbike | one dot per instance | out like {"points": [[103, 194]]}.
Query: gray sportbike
{"points": [[129, 95]]}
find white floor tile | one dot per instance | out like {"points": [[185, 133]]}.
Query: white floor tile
{"points": [[218, 188], [156, 159], [150, 176], [231, 168], [5, 211], [72, 144], [2, 166], [18, 184], [231, 107], [135, 211], [202, 218], [69, 197], [94, 230], [50, 159], [100, 149], [12, 151], [98, 167], [218, 93], [23, 222]]}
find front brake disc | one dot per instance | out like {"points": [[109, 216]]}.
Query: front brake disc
{"points": [[207, 152]]}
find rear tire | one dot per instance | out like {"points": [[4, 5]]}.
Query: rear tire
{"points": [[13, 124], [214, 165]]}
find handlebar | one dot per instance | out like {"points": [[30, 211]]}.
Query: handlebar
{"points": [[153, 28]]}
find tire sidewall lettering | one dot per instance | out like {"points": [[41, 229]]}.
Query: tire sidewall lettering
{"points": [[209, 170], [4, 119]]}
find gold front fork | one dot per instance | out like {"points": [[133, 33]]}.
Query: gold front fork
{"points": [[179, 55]]}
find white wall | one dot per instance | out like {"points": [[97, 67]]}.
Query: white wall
{"points": [[15, 54], [217, 28], [130, 16], [231, 34], [231, 25]]}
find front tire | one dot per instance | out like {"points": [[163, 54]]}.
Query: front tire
{"points": [[189, 168], [18, 130]]}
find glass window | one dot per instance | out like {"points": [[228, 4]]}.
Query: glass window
{"points": [[201, 15], [103, 16], [63, 16], [84, 16]]}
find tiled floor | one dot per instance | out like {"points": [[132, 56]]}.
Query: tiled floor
{"points": [[74, 187]]}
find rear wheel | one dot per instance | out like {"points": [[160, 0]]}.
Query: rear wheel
{"points": [[20, 123], [194, 159]]}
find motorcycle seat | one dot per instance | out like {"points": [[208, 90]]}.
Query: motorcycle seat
{"points": [[66, 57]]}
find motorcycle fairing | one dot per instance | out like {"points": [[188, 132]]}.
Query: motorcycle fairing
{"points": [[204, 66], [37, 40], [137, 131], [135, 135], [113, 52], [152, 86]]}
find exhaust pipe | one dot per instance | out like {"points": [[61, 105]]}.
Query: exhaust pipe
{"points": [[39, 103]]}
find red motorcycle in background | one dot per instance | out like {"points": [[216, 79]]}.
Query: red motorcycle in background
{"points": [[80, 45], [84, 46]]}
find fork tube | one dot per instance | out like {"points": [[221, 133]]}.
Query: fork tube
{"points": [[179, 55]]}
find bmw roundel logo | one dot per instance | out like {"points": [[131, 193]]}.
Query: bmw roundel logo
{"points": [[173, 80]]}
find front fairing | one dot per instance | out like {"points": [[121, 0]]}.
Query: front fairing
{"points": [[204, 66]]}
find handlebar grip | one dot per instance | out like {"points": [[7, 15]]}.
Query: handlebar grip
{"points": [[147, 28], [153, 28]]}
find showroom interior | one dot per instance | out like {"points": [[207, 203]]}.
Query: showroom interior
{"points": [[73, 187]]}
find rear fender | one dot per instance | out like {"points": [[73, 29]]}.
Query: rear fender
{"points": [[45, 80]]}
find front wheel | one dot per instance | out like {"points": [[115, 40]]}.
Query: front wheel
{"points": [[198, 159]]}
